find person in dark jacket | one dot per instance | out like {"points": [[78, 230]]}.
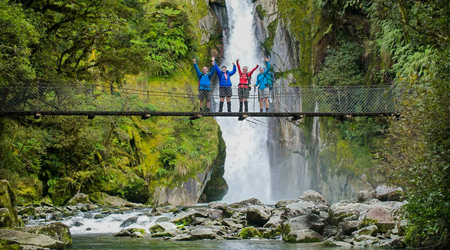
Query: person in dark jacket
{"points": [[224, 84], [204, 85], [263, 83]]}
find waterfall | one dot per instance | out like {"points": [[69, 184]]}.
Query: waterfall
{"points": [[247, 169]]}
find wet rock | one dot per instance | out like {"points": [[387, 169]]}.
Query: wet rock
{"points": [[202, 233], [182, 237], [302, 236], [284, 203], [79, 198], [130, 232], [130, 221], [348, 227], [394, 244], [101, 216], [257, 215], [333, 243], [27, 211], [310, 221], [57, 231], [330, 231], [385, 193], [314, 197], [364, 196], [25, 238], [370, 230], [163, 227], [186, 218], [274, 221], [246, 203], [298, 209], [8, 214], [77, 224], [249, 232], [162, 219]]}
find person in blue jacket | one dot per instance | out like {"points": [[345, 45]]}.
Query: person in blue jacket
{"points": [[204, 85], [263, 83], [224, 84]]}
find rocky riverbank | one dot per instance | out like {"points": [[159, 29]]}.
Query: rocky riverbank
{"points": [[371, 219]]}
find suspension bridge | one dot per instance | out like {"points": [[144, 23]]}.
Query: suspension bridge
{"points": [[49, 99]]}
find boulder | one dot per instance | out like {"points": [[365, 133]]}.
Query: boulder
{"points": [[104, 199], [25, 238], [163, 227], [249, 232], [246, 203], [386, 193], [346, 211], [333, 243], [162, 219], [8, 214], [394, 244], [57, 231], [218, 205], [130, 232], [310, 221], [314, 197], [379, 214], [257, 215], [202, 233], [186, 218], [232, 224], [163, 210], [284, 203], [274, 221], [298, 209], [385, 226], [348, 227], [364, 196], [214, 214], [370, 230], [302, 236], [130, 221], [369, 240], [330, 231], [182, 237], [79, 198]]}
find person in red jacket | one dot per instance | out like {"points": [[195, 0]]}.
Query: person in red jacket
{"points": [[244, 85]]}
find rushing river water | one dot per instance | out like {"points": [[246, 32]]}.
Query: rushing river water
{"points": [[107, 242]]}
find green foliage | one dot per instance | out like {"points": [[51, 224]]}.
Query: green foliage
{"points": [[341, 66], [249, 232]]}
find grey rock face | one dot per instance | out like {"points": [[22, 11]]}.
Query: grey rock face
{"points": [[370, 230], [130, 221], [385, 193], [363, 196], [349, 227], [302, 236], [314, 197], [310, 221], [203, 233], [57, 231], [246, 203], [79, 198], [162, 227], [284, 203]]}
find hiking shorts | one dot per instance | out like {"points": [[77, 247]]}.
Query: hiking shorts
{"points": [[203, 94], [243, 93], [263, 93], [225, 91]]}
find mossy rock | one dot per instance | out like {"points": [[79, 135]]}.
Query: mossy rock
{"points": [[8, 214], [57, 231], [249, 232], [272, 233]]}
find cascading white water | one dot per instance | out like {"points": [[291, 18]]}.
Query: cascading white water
{"points": [[247, 169]]}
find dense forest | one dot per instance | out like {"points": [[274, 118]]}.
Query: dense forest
{"points": [[401, 43]]}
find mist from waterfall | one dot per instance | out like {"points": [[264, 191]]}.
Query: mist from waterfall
{"points": [[247, 169]]}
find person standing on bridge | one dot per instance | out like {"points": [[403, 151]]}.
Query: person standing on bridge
{"points": [[263, 82], [244, 85], [204, 85], [224, 84]]}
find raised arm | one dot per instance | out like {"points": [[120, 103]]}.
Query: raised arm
{"points": [[253, 70], [233, 71], [217, 69], [199, 74], [211, 74], [239, 67], [268, 67]]}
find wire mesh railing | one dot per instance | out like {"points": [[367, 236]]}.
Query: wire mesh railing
{"points": [[49, 97]]}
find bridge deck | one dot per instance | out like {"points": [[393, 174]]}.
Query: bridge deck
{"points": [[41, 99]]}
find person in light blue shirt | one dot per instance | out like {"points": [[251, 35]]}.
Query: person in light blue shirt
{"points": [[204, 85], [262, 81], [224, 84]]}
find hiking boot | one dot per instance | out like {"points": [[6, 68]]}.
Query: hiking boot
{"points": [[267, 109], [261, 110]]}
